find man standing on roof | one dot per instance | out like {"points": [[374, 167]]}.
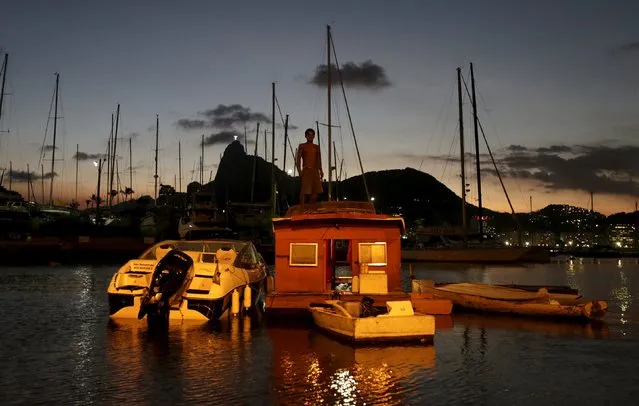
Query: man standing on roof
{"points": [[309, 166]]}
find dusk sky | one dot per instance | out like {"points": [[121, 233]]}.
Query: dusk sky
{"points": [[557, 81]]}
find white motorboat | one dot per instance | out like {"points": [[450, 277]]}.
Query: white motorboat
{"points": [[360, 322], [221, 271]]}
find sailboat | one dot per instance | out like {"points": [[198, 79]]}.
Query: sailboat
{"points": [[481, 250], [50, 209]]}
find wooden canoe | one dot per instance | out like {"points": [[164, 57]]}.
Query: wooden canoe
{"points": [[501, 299], [399, 324]]}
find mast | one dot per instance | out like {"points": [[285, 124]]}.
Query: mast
{"points": [[131, 165], [477, 163], [180, 163], [77, 152], [10, 175], [113, 159], [55, 129], [285, 141], [108, 154], [330, 139], [4, 80], [257, 138], [461, 147], [41, 180], [29, 184], [273, 204], [202, 163], [155, 176]]}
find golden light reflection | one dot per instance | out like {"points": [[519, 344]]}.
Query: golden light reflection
{"points": [[202, 359], [312, 368], [550, 327], [623, 296]]}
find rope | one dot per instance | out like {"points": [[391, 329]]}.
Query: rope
{"points": [[350, 120]]}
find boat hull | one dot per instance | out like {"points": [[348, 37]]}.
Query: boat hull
{"points": [[125, 306], [207, 293], [417, 327], [477, 255], [503, 301]]}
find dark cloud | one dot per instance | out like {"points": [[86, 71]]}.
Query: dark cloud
{"points": [[554, 149], [188, 124], [48, 148], [23, 176], [632, 46], [517, 148], [83, 156], [365, 75], [133, 135], [223, 137], [591, 168], [151, 128], [224, 117]]}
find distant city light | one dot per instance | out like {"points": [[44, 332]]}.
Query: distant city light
{"points": [[373, 199], [289, 171], [95, 164], [235, 138]]}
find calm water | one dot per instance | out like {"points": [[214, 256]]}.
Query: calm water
{"points": [[58, 347]]}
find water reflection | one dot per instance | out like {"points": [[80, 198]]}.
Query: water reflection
{"points": [[622, 296], [594, 329], [311, 368], [188, 362]]}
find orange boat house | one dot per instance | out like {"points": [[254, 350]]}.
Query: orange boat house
{"points": [[344, 248]]}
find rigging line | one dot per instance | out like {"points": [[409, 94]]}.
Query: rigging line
{"points": [[46, 129], [450, 151], [318, 98], [491, 156], [439, 117], [492, 122], [277, 102], [350, 120]]}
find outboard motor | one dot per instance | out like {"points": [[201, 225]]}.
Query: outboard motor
{"points": [[172, 275]]}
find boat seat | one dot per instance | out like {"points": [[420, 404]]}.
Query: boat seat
{"points": [[399, 308], [225, 256]]}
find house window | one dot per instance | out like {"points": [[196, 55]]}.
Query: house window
{"points": [[303, 254], [372, 253]]}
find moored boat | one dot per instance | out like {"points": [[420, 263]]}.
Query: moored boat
{"points": [[221, 269], [477, 254], [360, 322], [504, 299]]}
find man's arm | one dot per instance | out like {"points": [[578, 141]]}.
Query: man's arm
{"points": [[298, 160], [319, 162]]}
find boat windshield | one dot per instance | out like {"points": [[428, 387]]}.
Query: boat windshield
{"points": [[198, 246]]}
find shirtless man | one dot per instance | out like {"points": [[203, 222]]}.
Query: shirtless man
{"points": [[309, 166]]}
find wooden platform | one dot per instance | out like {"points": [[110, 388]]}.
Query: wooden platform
{"points": [[292, 303]]}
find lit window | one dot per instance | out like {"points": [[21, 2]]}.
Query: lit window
{"points": [[372, 253], [303, 254]]}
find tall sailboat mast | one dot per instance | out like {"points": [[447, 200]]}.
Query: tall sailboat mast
{"points": [[328, 87], [273, 200], [180, 164], [461, 148], [480, 220], [77, 152], [55, 130], [4, 80], [130, 165], [202, 162], [113, 157], [155, 176]]}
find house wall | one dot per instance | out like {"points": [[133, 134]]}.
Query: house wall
{"points": [[318, 279]]}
